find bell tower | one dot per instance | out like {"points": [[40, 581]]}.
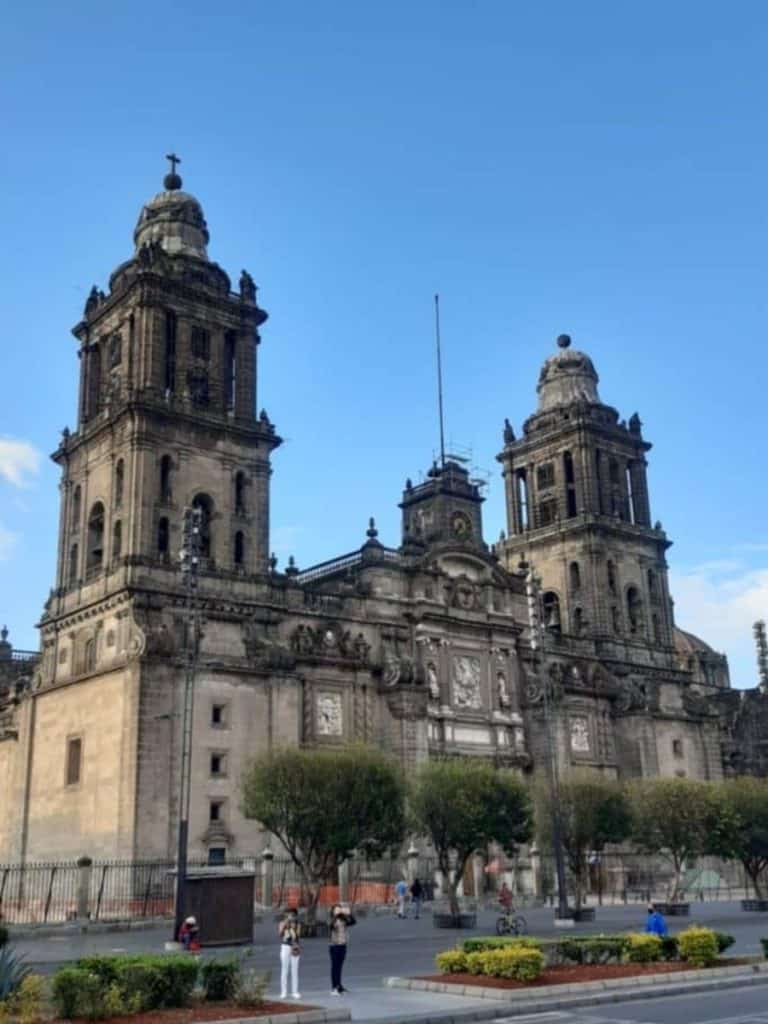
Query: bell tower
{"points": [[166, 413], [578, 510]]}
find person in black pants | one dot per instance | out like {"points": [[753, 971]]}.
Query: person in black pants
{"points": [[341, 920]]}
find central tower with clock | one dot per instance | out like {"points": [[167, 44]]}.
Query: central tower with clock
{"points": [[445, 509]]}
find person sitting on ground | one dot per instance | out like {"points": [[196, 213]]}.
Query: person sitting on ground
{"points": [[188, 934], [655, 923]]}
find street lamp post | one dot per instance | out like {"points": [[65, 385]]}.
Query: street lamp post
{"points": [[533, 595], [189, 557]]}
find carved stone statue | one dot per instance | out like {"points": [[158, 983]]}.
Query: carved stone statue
{"points": [[247, 287], [432, 681], [501, 688]]}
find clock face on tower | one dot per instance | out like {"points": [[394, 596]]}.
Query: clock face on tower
{"points": [[461, 525]]}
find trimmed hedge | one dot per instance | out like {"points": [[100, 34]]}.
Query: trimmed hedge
{"points": [[98, 987], [698, 946], [642, 948], [519, 962]]}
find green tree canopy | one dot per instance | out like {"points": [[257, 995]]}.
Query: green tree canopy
{"points": [[594, 810], [465, 804], [323, 804], [674, 818], [741, 831]]}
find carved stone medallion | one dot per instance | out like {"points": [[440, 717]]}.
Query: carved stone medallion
{"points": [[466, 682], [329, 714]]}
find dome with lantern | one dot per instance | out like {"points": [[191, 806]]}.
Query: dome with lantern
{"points": [[566, 378]]}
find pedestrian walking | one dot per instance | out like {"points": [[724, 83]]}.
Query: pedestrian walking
{"points": [[655, 923], [341, 920], [401, 891], [417, 895], [289, 931], [189, 935]]}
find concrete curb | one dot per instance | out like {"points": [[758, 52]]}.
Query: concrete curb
{"points": [[48, 931], [563, 997], [307, 1017]]}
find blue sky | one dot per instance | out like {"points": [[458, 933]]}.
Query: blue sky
{"points": [[594, 168]]}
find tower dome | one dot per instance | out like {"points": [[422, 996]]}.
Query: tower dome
{"points": [[174, 219], [566, 378]]}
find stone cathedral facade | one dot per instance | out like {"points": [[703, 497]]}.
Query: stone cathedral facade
{"points": [[423, 649]]}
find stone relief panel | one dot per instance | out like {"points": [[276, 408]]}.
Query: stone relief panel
{"points": [[580, 735], [465, 675], [329, 715]]}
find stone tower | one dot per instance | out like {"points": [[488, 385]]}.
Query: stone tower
{"points": [[578, 510], [166, 419]]}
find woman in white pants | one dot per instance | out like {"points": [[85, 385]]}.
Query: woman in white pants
{"points": [[288, 931]]}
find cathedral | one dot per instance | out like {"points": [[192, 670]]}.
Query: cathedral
{"points": [[442, 646]]}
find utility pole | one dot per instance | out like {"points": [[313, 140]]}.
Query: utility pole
{"points": [[189, 557], [533, 595]]}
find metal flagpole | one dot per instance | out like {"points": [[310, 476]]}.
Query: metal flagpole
{"points": [[439, 381]]}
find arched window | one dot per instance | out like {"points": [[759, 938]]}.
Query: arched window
{"points": [[166, 470], [117, 539], [230, 369], [578, 621], [570, 485], [170, 352], [163, 536], [200, 344], [653, 586], [89, 655], [94, 381], [119, 483], [574, 576], [239, 548], [656, 622], [630, 496], [74, 552], [611, 572], [95, 553], [240, 493], [551, 605], [77, 502], [205, 504], [634, 610], [521, 483]]}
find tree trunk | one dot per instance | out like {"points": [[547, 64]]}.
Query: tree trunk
{"points": [[675, 894], [755, 871]]}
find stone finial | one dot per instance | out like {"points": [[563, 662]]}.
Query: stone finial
{"points": [[372, 533], [509, 433], [4, 634], [635, 424], [273, 562], [408, 484], [292, 569], [563, 340]]}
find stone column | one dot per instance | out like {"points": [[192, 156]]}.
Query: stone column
{"points": [[85, 867], [413, 863], [477, 876], [535, 859], [344, 881], [267, 878]]}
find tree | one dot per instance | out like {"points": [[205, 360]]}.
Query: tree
{"points": [[464, 805], [741, 831], [673, 818], [324, 804], [593, 811]]}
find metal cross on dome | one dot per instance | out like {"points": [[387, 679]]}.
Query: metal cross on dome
{"points": [[174, 160]]}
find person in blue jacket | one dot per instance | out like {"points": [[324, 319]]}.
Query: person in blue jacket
{"points": [[655, 923]]}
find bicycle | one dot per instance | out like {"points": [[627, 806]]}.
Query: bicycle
{"points": [[511, 923]]}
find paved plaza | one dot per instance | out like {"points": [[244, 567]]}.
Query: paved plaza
{"points": [[383, 946]]}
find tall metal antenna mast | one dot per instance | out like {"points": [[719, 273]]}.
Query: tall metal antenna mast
{"points": [[439, 381]]}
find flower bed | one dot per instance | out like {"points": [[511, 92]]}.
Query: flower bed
{"points": [[567, 974], [204, 1012]]}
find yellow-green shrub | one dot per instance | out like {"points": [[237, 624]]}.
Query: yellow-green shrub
{"points": [[452, 961], [697, 945], [27, 1004], [476, 962], [640, 948], [520, 963]]}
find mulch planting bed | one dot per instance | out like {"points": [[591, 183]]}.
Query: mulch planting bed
{"points": [[571, 974], [204, 1012]]}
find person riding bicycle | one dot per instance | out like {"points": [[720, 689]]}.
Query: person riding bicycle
{"points": [[506, 899]]}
